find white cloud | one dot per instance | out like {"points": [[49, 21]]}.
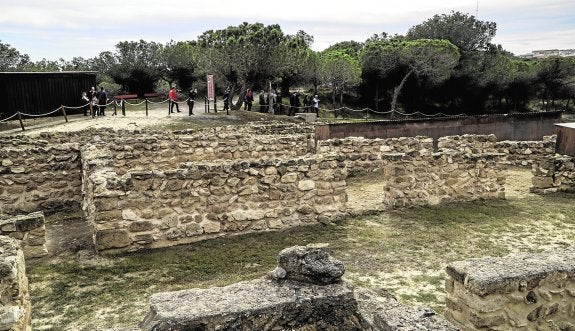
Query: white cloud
{"points": [[67, 28]]}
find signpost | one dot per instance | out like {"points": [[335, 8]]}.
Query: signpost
{"points": [[211, 92]]}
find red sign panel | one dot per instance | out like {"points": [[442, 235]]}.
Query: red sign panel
{"points": [[211, 92]]}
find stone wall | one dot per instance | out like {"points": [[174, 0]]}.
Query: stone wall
{"points": [[516, 292], [147, 209], [365, 155], [304, 292], [553, 174], [151, 152], [441, 178], [30, 230], [40, 177], [516, 153], [15, 306]]}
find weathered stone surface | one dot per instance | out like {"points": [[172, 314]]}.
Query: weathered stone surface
{"points": [[383, 312], [256, 305], [527, 290], [483, 276], [279, 303], [15, 310], [115, 238], [310, 265]]}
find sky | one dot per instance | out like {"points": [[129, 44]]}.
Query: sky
{"points": [[54, 29]]}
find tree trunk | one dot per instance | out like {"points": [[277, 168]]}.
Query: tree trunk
{"points": [[333, 95], [396, 92], [377, 95], [341, 98], [240, 101]]}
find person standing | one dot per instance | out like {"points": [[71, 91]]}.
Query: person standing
{"points": [[316, 104], [102, 101], [87, 101], [173, 96], [263, 102], [91, 94], [227, 100], [191, 100], [248, 99]]}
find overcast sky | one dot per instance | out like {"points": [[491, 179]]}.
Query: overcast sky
{"points": [[54, 29]]}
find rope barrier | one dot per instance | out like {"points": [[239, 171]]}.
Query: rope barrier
{"points": [[152, 102], [40, 115], [8, 118], [367, 111]]}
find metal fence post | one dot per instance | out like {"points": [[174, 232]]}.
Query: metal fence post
{"points": [[64, 112], [20, 119]]}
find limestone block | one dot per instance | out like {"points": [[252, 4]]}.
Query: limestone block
{"points": [[289, 178], [141, 226], [211, 227], [306, 185], [310, 265], [114, 238], [193, 229]]}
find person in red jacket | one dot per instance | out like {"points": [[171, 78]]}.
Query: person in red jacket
{"points": [[173, 96]]}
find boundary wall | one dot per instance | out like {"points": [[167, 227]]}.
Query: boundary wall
{"points": [[366, 155], [525, 126], [516, 292]]}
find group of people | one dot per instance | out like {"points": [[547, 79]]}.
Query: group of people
{"points": [[310, 104], [271, 102], [96, 102], [173, 100], [268, 102]]}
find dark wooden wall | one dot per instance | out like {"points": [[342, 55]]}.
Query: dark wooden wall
{"points": [[565, 139], [42, 92], [528, 126]]}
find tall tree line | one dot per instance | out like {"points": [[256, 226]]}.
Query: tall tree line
{"points": [[445, 64]]}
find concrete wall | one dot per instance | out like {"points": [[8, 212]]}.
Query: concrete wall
{"points": [[531, 126], [516, 292]]}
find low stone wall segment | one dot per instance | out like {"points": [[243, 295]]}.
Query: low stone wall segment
{"points": [[516, 292], [157, 152], [15, 305], [30, 230], [441, 178], [554, 173], [304, 292], [40, 178], [143, 209]]}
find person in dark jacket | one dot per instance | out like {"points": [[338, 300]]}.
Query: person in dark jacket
{"points": [[102, 101], [227, 99], [191, 100], [248, 99]]}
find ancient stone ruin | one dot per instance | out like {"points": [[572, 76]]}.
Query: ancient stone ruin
{"points": [[304, 292], [147, 189], [516, 292]]}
